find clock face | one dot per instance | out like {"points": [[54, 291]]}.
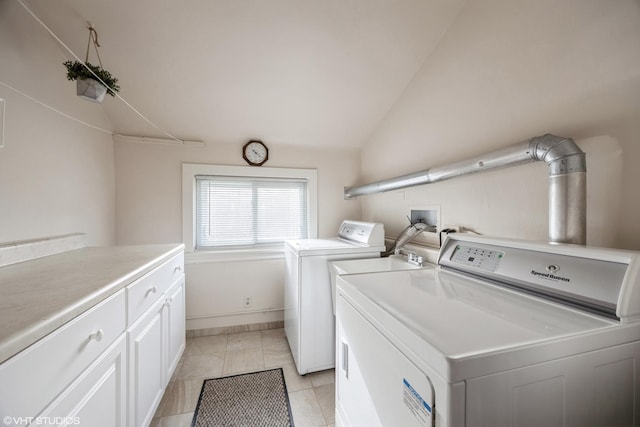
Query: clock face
{"points": [[255, 153]]}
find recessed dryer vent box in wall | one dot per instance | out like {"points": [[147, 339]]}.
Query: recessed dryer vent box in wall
{"points": [[427, 216]]}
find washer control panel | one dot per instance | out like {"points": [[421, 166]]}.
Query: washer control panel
{"points": [[477, 257], [365, 233], [588, 277]]}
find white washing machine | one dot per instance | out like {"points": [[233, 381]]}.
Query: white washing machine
{"points": [[309, 322], [501, 333]]}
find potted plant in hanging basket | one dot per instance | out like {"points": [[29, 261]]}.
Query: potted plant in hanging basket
{"points": [[87, 86], [86, 75]]}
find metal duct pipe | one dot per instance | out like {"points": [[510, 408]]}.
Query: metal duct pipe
{"points": [[567, 180]]}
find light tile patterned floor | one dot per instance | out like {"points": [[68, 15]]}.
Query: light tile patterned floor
{"points": [[311, 396]]}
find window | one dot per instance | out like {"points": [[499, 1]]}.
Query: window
{"points": [[232, 211], [235, 208]]}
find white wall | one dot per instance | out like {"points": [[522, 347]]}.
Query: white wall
{"points": [[149, 210], [56, 176], [504, 72]]}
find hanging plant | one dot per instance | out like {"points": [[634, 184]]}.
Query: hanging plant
{"points": [[76, 70], [87, 86]]}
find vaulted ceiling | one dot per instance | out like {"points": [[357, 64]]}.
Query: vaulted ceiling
{"points": [[314, 72]]}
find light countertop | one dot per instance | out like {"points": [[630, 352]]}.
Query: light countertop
{"points": [[39, 296]]}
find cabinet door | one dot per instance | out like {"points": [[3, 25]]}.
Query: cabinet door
{"points": [[98, 397], [176, 326], [146, 365]]}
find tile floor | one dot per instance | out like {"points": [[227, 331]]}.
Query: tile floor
{"points": [[311, 396]]}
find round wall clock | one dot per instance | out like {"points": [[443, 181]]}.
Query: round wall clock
{"points": [[255, 153]]}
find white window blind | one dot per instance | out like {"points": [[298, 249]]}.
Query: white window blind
{"points": [[249, 211]]}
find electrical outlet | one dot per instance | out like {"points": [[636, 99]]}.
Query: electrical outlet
{"points": [[248, 302]]}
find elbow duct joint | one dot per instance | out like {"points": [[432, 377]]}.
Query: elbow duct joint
{"points": [[562, 155]]}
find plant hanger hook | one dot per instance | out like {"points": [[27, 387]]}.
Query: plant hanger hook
{"points": [[93, 37]]}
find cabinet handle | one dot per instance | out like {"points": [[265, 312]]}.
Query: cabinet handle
{"points": [[345, 359], [97, 335], [178, 268], [152, 290]]}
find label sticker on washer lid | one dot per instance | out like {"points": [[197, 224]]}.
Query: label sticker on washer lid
{"points": [[416, 404]]}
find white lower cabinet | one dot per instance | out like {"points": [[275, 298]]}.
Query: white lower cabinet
{"points": [[34, 378], [109, 366], [156, 342], [98, 397]]}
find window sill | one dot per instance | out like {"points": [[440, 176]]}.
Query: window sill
{"points": [[233, 255]]}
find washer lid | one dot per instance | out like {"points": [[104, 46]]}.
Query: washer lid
{"points": [[461, 317]]}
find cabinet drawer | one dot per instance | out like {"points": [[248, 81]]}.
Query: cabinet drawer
{"points": [[142, 293], [98, 397], [34, 377]]}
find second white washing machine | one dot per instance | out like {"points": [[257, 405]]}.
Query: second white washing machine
{"points": [[309, 322]]}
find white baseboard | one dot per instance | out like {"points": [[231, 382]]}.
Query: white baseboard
{"points": [[231, 323]]}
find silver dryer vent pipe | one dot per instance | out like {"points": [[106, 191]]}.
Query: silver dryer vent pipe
{"points": [[567, 181]]}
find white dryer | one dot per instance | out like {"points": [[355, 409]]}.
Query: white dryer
{"points": [[308, 315], [501, 333]]}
